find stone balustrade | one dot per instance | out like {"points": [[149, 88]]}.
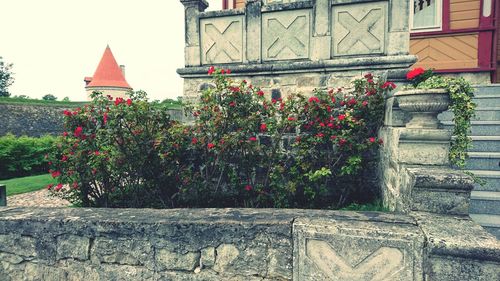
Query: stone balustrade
{"points": [[296, 46]]}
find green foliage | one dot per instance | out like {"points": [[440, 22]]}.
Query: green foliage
{"points": [[376, 206], [49, 97], [24, 156], [27, 184], [26, 100], [463, 108], [6, 78], [243, 149]]}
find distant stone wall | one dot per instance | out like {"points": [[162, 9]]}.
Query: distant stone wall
{"points": [[241, 244], [31, 120], [38, 120]]}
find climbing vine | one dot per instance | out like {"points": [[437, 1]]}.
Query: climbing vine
{"points": [[461, 104]]}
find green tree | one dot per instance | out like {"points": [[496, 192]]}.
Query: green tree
{"points": [[6, 78], [49, 97]]}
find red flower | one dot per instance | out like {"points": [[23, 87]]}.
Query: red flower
{"points": [[414, 73], [50, 186], [342, 141], [248, 187], [97, 153], [211, 70], [64, 158], [67, 112], [365, 103], [320, 135], [352, 101], [58, 187], [232, 104], [222, 71], [321, 124], [129, 102], [210, 145], [372, 140], [291, 118], [252, 139], [314, 99], [368, 76], [105, 118], [75, 185], [389, 84], [194, 140], [65, 134], [118, 101], [260, 93], [341, 117], [263, 127], [55, 174], [228, 71], [78, 131]]}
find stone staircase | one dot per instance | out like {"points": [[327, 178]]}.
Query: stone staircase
{"points": [[484, 159]]}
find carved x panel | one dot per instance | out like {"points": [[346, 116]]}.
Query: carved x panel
{"points": [[285, 35], [359, 29], [222, 40], [356, 251]]}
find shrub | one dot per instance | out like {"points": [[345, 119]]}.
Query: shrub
{"points": [[24, 156], [109, 156], [243, 150]]}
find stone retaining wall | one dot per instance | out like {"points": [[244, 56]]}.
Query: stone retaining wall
{"points": [[241, 244]]}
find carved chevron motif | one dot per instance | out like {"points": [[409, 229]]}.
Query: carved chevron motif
{"points": [[382, 264]]}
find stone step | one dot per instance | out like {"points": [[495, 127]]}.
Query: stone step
{"points": [[483, 161], [485, 202], [485, 143], [489, 222], [482, 114], [479, 128], [484, 99], [480, 90], [491, 178]]}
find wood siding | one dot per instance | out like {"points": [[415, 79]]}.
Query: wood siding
{"points": [[446, 52], [239, 3], [464, 14]]}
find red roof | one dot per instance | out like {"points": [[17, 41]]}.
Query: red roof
{"points": [[108, 73]]}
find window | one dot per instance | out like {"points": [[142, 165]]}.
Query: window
{"points": [[425, 15]]}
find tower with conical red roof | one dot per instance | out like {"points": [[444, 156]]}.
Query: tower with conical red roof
{"points": [[109, 78]]}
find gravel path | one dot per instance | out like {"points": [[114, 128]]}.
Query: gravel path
{"points": [[41, 198]]}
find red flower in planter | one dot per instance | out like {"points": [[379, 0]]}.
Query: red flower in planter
{"points": [[211, 70], [210, 145], [263, 127], [414, 73]]}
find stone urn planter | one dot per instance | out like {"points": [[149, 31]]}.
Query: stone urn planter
{"points": [[423, 105]]}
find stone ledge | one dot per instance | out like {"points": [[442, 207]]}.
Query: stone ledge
{"points": [[342, 64]]}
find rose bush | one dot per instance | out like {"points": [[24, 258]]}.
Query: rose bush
{"points": [[243, 149]]}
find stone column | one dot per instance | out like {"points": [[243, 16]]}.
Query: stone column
{"points": [[321, 38], [253, 30], [399, 33], [192, 9]]}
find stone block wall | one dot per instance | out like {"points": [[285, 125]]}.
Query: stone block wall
{"points": [[241, 244], [296, 46]]}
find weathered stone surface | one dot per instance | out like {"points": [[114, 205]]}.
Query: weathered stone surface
{"points": [[285, 35], [72, 246], [221, 39], [359, 28], [122, 251], [327, 249], [167, 260], [17, 244], [207, 257]]}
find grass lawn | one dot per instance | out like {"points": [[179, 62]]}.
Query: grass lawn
{"points": [[27, 184]]}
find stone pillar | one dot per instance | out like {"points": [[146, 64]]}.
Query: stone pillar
{"points": [[399, 33], [253, 28], [3, 195], [321, 38], [192, 9]]}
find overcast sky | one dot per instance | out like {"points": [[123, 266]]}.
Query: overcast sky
{"points": [[54, 44]]}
